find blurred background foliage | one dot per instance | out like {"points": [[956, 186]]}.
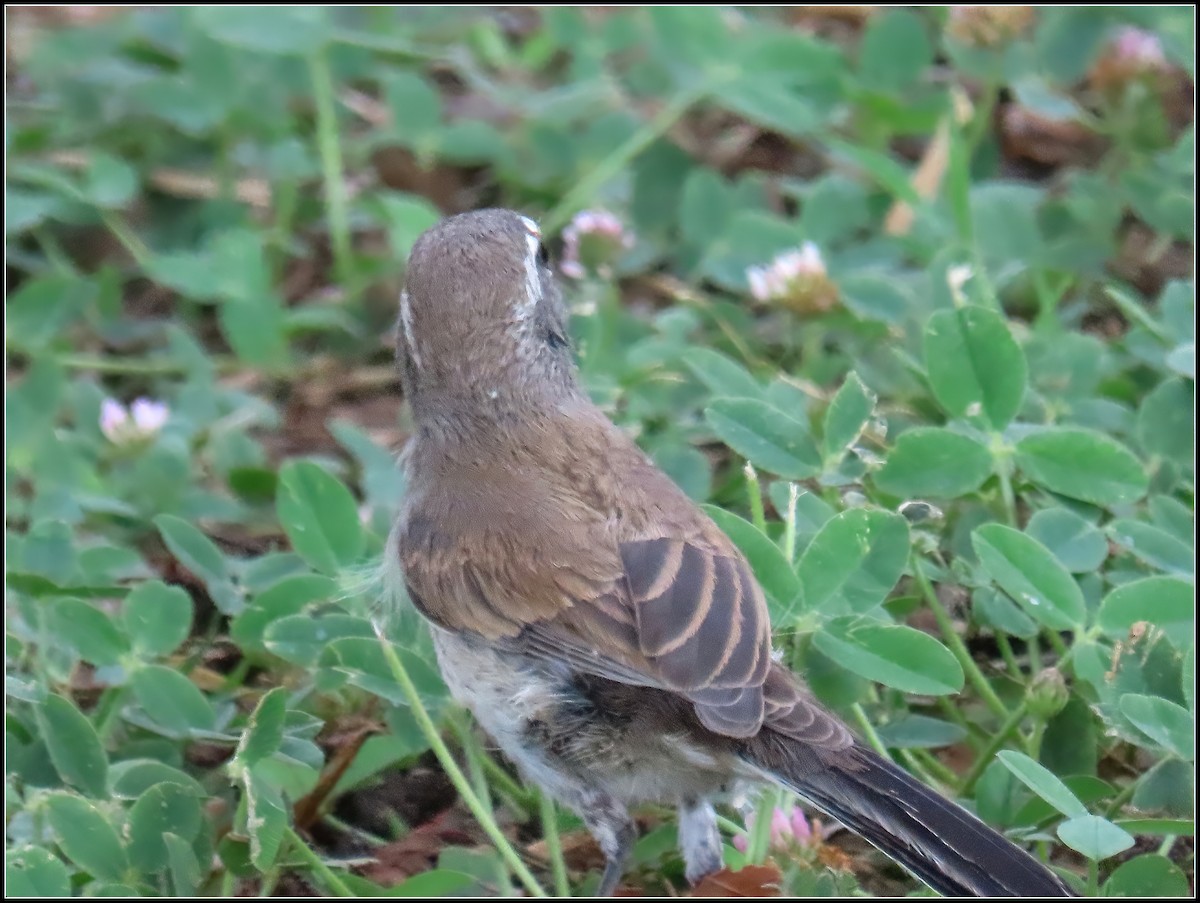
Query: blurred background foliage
{"points": [[927, 271]]}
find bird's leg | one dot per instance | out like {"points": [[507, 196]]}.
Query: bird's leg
{"points": [[699, 840], [610, 824]]}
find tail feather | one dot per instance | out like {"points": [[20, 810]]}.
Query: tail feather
{"points": [[938, 841]]}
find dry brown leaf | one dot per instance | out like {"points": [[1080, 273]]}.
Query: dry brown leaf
{"points": [[751, 881]]}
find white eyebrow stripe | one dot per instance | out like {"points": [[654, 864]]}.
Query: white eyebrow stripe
{"points": [[409, 334], [533, 278], [533, 227]]}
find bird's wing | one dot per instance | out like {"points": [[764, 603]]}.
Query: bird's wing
{"points": [[654, 595]]}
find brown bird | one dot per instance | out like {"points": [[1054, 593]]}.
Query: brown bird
{"points": [[603, 630]]}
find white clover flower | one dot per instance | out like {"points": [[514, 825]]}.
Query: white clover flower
{"points": [[797, 278], [592, 241], [1139, 49], [142, 420]]}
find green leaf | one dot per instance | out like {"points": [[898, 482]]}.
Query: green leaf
{"points": [[1076, 543], [995, 609], [89, 631], [1094, 837], [1004, 219], [1166, 422], [1175, 517], [194, 550], [975, 366], [406, 216], [724, 376], [854, 561], [172, 700], [74, 746], [161, 809], [1082, 464], [287, 597], [705, 206], [1167, 724], [319, 515], [887, 172], [301, 638], [130, 778], [292, 30], [768, 563], [891, 654], [1156, 547], [184, 867], [895, 50], [363, 661], [764, 435], [266, 819], [1166, 602], [1181, 827], [157, 617], [34, 872], [85, 836], [848, 413], [767, 103], [264, 732], [935, 462], [875, 297], [432, 884], [920, 732], [1168, 787], [416, 108], [115, 889], [1043, 782], [1188, 678], [256, 330], [109, 182], [1146, 876], [1025, 569], [1182, 359], [42, 308]]}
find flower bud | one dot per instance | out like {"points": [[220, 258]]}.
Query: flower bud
{"points": [[1048, 694], [593, 242]]}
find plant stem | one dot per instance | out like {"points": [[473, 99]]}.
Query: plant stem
{"points": [[789, 524], [581, 195], [868, 730], [486, 819], [129, 241], [1010, 659], [471, 753], [928, 764], [1123, 796], [760, 833], [988, 753], [558, 866], [519, 799], [956, 644], [332, 883], [1004, 473], [107, 710], [758, 515], [917, 767], [474, 756], [332, 169], [136, 366]]}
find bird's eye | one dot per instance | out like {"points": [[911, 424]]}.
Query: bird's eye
{"points": [[543, 256]]}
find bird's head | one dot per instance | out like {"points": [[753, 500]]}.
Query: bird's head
{"points": [[482, 323]]}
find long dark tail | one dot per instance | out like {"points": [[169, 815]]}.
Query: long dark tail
{"points": [[938, 841]]}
